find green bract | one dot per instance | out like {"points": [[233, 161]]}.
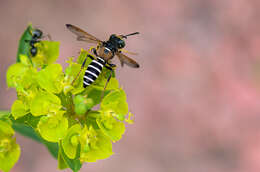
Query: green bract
{"points": [[71, 141], [19, 109], [51, 78], [53, 108], [15, 74], [53, 127], [115, 101], [9, 150], [110, 126], [44, 103], [94, 145], [47, 54], [82, 104]]}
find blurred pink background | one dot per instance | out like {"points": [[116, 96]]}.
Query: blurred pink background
{"points": [[196, 97]]}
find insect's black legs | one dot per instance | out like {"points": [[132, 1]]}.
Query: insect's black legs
{"points": [[94, 51], [109, 77], [92, 58], [82, 66], [110, 66]]}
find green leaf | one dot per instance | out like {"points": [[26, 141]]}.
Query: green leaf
{"points": [[28, 120], [29, 132], [21, 76], [9, 150], [61, 162], [9, 153], [26, 131], [70, 142], [72, 71], [112, 84], [82, 104], [111, 127], [25, 60], [4, 115], [94, 93], [29, 78], [114, 96], [53, 127], [15, 74], [51, 78], [82, 56], [48, 52], [91, 119], [19, 109], [75, 163], [24, 47], [5, 129], [94, 146], [45, 103], [115, 101], [53, 148]]}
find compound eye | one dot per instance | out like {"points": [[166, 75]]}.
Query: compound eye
{"points": [[121, 44], [112, 36], [106, 51]]}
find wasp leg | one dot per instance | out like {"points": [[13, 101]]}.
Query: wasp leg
{"points": [[90, 56], [125, 51], [110, 67], [94, 51], [82, 66]]}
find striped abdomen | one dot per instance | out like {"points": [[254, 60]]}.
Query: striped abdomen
{"points": [[93, 71]]}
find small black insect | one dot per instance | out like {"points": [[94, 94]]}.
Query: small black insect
{"points": [[36, 36]]}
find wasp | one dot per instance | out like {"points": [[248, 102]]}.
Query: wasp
{"points": [[104, 52]]}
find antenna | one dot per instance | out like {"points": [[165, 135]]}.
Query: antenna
{"points": [[125, 36]]}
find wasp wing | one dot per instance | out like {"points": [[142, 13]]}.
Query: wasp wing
{"points": [[128, 52], [82, 35], [127, 60]]}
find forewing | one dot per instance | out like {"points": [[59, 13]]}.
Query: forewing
{"points": [[127, 60], [128, 52], [82, 35]]}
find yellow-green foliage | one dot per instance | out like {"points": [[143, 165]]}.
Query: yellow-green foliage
{"points": [[51, 110]]}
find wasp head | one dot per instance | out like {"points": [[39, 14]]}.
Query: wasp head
{"points": [[117, 41]]}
